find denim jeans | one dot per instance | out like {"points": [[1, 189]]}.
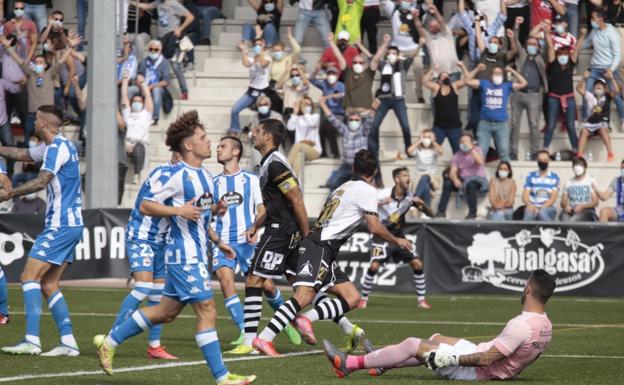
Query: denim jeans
{"points": [[554, 109], [472, 190], [544, 214], [340, 176], [245, 101], [423, 189], [400, 111], [157, 96], [596, 73], [6, 138], [532, 103], [179, 73], [501, 215], [452, 134], [587, 215], [269, 33], [82, 10], [209, 13], [499, 131], [22, 177], [474, 110], [572, 13], [29, 127], [318, 18], [37, 13]]}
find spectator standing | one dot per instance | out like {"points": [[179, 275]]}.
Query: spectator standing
{"points": [[24, 30], [348, 52], [54, 30], [426, 152], [142, 37], [281, 65], [305, 123], [572, 15], [515, 9], [579, 199], [82, 11], [210, 10], [358, 79], [6, 135], [502, 193], [545, 10], [267, 23], [36, 10], [480, 32], [368, 23], [155, 70], [540, 191], [293, 88], [11, 72], [333, 94], [608, 214], [615, 14], [312, 12], [561, 37], [349, 17]]}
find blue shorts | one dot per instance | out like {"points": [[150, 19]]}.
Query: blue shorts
{"points": [[244, 255], [56, 246], [188, 283], [146, 256], [619, 210]]}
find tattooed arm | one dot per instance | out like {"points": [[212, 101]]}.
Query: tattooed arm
{"points": [[482, 358], [34, 185], [16, 153]]}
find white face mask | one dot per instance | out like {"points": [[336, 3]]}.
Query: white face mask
{"points": [[503, 173], [137, 106], [426, 142], [354, 125], [332, 79], [33, 144], [497, 80], [358, 68], [263, 110], [392, 58], [307, 110], [578, 170]]}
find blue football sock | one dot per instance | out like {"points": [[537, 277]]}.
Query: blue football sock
{"points": [[154, 298], [130, 327], [235, 308], [60, 313], [32, 308], [4, 294], [208, 342], [132, 301], [277, 300]]}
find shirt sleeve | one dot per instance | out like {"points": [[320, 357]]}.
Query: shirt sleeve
{"points": [[55, 157], [282, 177], [368, 203], [178, 9], [516, 333], [160, 192], [256, 192], [527, 181], [613, 185]]}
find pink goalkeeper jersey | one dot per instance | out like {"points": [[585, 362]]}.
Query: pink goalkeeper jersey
{"points": [[522, 341]]}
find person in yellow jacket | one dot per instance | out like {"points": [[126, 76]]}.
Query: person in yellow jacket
{"points": [[350, 13]]}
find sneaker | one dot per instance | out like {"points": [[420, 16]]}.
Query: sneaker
{"points": [[337, 359], [293, 335], [239, 340], [421, 100], [235, 379], [23, 347], [160, 353], [423, 304], [471, 216], [304, 326], [354, 338], [243, 350], [105, 353], [62, 350], [135, 179], [440, 215], [4, 319], [369, 348], [184, 96], [155, 122], [363, 303], [265, 347]]}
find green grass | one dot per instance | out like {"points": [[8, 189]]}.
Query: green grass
{"points": [[586, 327]]}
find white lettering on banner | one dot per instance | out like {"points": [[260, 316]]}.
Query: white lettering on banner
{"points": [[99, 240], [101, 236], [83, 248], [118, 243]]}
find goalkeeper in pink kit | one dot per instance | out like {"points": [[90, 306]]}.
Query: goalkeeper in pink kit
{"points": [[521, 342]]}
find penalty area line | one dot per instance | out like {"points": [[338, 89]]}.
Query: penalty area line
{"points": [[130, 369]]}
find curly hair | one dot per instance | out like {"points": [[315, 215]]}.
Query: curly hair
{"points": [[183, 127]]}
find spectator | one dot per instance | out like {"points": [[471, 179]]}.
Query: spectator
{"points": [[368, 23], [259, 73], [294, 86], [139, 35], [571, 15], [466, 175], [6, 135], [354, 135], [333, 94], [267, 23], [82, 11], [137, 115], [494, 96], [480, 33], [598, 111], [426, 152], [540, 191], [561, 63], [349, 17], [446, 122], [280, 67], [502, 193], [406, 38], [521, 9], [312, 12], [29, 204], [579, 199], [305, 122], [11, 72], [210, 10], [348, 52], [609, 214], [358, 79], [35, 10], [122, 157], [489, 10], [530, 64], [545, 10], [391, 93], [54, 30], [30, 170], [616, 17], [264, 111], [74, 67], [155, 70], [561, 37], [24, 30]]}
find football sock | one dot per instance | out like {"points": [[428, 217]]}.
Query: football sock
{"points": [[276, 300], [253, 312], [153, 299], [341, 320], [282, 317], [4, 294], [208, 343], [134, 325], [60, 313], [367, 283], [235, 308], [32, 308], [131, 302], [387, 357], [328, 309], [419, 284]]}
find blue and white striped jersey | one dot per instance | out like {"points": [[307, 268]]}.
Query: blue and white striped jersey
{"points": [[63, 192], [188, 240], [241, 192], [143, 227], [541, 187]]}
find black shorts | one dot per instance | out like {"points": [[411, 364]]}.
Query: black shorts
{"points": [[317, 267], [276, 254], [382, 251]]}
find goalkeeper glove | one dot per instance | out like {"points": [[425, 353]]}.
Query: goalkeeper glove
{"points": [[437, 360]]}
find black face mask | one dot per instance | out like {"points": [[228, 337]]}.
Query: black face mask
{"points": [[543, 166], [342, 46], [446, 81]]}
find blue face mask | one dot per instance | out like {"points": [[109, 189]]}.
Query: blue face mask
{"points": [[296, 80], [532, 50], [257, 49], [154, 56], [269, 7], [594, 25], [563, 59], [263, 110], [559, 29], [492, 48], [39, 68], [137, 106], [18, 12], [278, 55], [464, 147]]}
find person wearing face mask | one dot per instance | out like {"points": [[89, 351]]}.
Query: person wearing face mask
{"points": [[267, 23], [493, 116], [502, 193], [333, 94], [264, 111], [579, 198], [6, 135], [305, 123], [529, 98], [598, 112], [560, 35], [561, 63], [354, 134], [25, 30], [358, 80], [155, 68], [349, 16], [545, 10], [616, 187], [541, 189], [426, 153], [54, 30], [29, 204], [368, 22], [293, 88], [339, 47], [280, 66]]}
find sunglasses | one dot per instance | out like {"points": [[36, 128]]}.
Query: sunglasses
{"points": [[354, 120], [58, 19], [358, 62], [154, 49]]}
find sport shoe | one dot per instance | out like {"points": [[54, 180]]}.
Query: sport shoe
{"points": [[369, 348], [337, 359], [304, 326], [265, 347], [239, 340], [363, 303], [235, 379], [354, 338], [184, 96], [293, 335], [62, 350], [23, 347], [243, 350], [105, 353], [160, 353], [4, 319], [423, 304]]}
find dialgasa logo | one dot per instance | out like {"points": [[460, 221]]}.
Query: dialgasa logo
{"points": [[507, 262]]}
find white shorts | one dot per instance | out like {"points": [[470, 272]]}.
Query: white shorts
{"points": [[461, 373]]}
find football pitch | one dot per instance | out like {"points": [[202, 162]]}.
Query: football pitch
{"points": [[587, 345]]}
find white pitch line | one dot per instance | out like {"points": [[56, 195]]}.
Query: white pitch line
{"points": [[581, 356], [146, 367]]}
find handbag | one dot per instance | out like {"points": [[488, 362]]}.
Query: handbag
{"points": [[185, 44]]}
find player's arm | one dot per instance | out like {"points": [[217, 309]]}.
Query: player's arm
{"points": [[156, 209], [5, 182], [376, 228], [486, 358], [217, 241], [15, 153], [295, 196], [34, 185], [252, 231]]}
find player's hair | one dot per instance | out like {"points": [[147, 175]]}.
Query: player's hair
{"points": [[579, 160], [364, 163], [57, 119], [543, 285], [397, 171], [237, 144], [276, 129], [183, 127]]}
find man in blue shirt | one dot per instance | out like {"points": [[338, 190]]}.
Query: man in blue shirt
{"points": [[540, 191], [333, 93]]}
